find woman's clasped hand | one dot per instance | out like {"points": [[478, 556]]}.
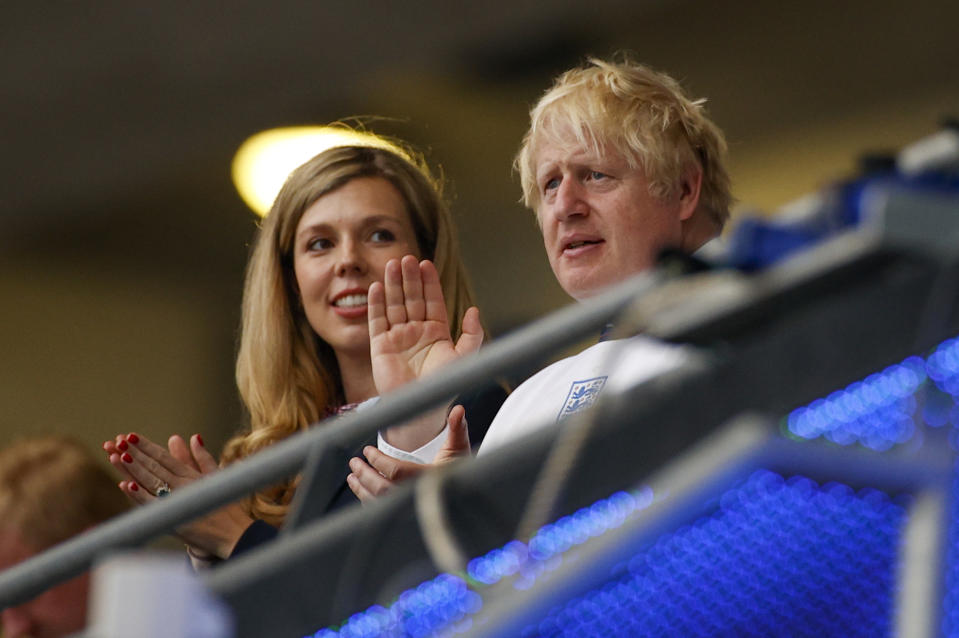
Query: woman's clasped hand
{"points": [[153, 471]]}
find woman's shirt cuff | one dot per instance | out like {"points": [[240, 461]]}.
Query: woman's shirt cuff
{"points": [[422, 455]]}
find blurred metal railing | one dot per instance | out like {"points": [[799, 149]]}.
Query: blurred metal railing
{"points": [[769, 342], [856, 302], [287, 457]]}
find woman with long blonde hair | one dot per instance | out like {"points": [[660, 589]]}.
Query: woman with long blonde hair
{"points": [[304, 351]]}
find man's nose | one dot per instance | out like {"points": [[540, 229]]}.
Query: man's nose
{"points": [[350, 259], [570, 200], [15, 622]]}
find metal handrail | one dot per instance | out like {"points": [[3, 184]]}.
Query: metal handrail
{"points": [[539, 339]]}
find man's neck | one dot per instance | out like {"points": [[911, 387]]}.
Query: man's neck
{"points": [[697, 230]]}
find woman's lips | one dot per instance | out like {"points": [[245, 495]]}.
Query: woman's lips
{"points": [[350, 304]]}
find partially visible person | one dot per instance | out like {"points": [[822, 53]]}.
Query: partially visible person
{"points": [[304, 350], [51, 488], [618, 165]]}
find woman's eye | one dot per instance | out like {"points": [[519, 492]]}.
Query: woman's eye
{"points": [[321, 243], [550, 184], [597, 175], [382, 235]]}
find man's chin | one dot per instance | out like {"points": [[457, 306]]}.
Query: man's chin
{"points": [[582, 289]]}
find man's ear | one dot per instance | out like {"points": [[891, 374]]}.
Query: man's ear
{"points": [[690, 186]]}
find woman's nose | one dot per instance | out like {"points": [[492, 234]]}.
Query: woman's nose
{"points": [[350, 259]]}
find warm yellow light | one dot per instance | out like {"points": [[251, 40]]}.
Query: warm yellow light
{"points": [[264, 161]]}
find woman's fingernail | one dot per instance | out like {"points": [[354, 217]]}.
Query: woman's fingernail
{"points": [[134, 487], [133, 438], [122, 446], [126, 458], [199, 439]]}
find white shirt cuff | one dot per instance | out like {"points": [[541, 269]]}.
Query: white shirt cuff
{"points": [[423, 455]]}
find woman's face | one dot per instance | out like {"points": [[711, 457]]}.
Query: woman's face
{"points": [[341, 246]]}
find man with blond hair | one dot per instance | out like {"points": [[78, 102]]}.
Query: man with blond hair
{"points": [[619, 165], [51, 488]]}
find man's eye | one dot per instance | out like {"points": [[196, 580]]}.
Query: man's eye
{"points": [[382, 235]]}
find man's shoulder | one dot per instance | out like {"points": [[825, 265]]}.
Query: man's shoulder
{"points": [[575, 382], [566, 364], [597, 358]]}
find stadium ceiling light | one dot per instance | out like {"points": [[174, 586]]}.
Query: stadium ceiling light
{"points": [[263, 161]]}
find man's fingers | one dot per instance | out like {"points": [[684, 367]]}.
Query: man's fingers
{"points": [[471, 336], [413, 289]]}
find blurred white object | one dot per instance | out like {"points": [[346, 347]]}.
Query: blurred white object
{"points": [[151, 595], [936, 152]]}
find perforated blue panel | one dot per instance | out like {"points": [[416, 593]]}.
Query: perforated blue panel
{"points": [[778, 558], [881, 410], [944, 371], [774, 557]]}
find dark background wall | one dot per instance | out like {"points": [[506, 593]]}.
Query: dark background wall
{"points": [[123, 242]]}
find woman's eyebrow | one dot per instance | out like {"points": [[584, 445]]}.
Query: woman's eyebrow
{"points": [[312, 228], [379, 218]]}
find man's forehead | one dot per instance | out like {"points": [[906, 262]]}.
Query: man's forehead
{"points": [[555, 152]]}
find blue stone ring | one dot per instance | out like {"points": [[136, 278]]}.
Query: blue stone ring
{"points": [[164, 490]]}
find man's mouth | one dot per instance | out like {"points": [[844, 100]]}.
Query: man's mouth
{"points": [[579, 244], [350, 301]]}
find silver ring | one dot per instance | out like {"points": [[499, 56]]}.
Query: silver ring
{"points": [[164, 490]]}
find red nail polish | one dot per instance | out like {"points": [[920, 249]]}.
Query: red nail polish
{"points": [[134, 487], [199, 439], [133, 438], [122, 445], [126, 458]]}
